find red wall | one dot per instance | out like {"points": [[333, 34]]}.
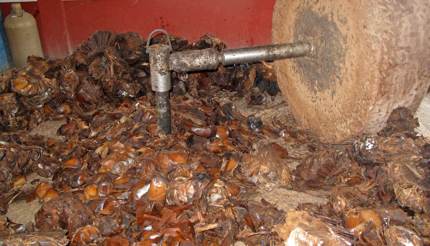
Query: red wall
{"points": [[64, 24]]}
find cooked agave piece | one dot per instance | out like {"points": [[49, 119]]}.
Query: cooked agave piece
{"points": [[399, 235], [86, 235], [267, 165], [130, 45], [411, 185], [9, 112], [69, 83], [65, 212], [5, 78], [34, 91], [56, 238], [303, 228], [158, 189], [98, 42]]}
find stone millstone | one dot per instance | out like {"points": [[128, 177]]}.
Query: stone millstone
{"points": [[370, 57]]}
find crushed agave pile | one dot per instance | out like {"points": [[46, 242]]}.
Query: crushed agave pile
{"points": [[82, 163]]}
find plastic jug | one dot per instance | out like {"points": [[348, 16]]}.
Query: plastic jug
{"points": [[23, 35]]}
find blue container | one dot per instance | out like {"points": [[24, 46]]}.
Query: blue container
{"points": [[5, 59]]}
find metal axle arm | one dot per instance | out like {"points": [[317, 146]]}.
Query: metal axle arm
{"points": [[210, 59], [162, 62]]}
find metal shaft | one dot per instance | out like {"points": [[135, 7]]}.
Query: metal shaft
{"points": [[195, 60], [265, 53], [164, 116], [161, 84], [160, 72], [210, 59]]}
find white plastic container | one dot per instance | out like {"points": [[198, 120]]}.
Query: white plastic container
{"points": [[23, 35]]}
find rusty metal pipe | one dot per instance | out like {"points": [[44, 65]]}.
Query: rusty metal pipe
{"points": [[161, 84], [195, 60], [164, 117], [210, 59], [265, 53], [159, 66]]}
